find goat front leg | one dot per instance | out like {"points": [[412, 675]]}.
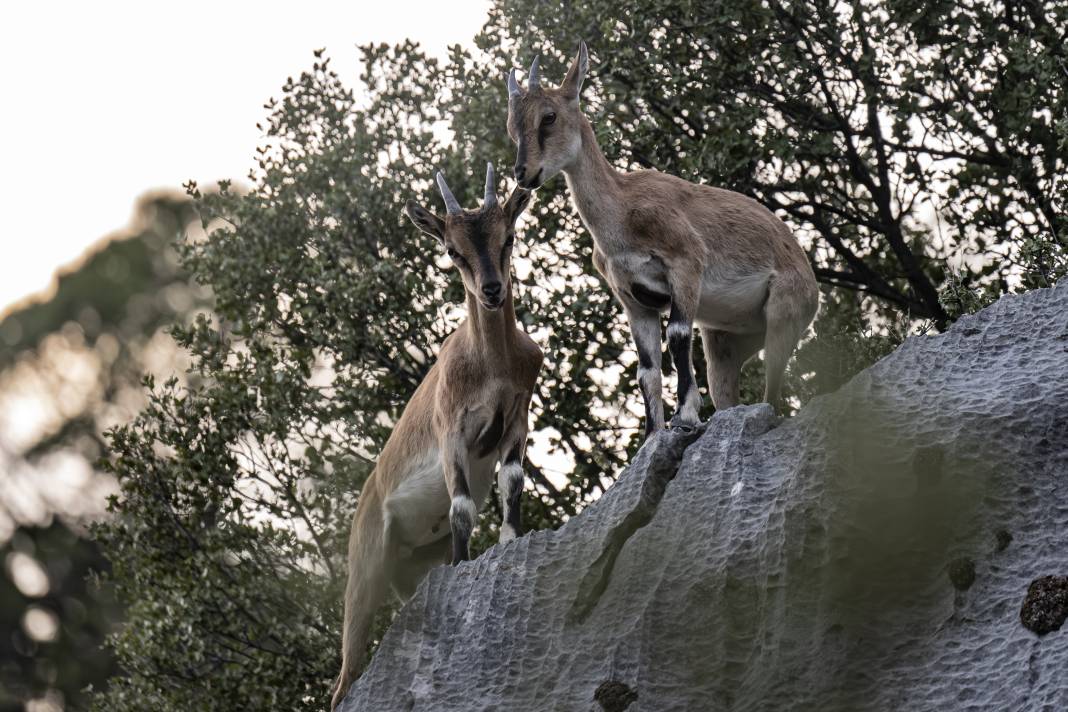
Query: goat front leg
{"points": [[680, 343], [462, 510], [511, 478], [645, 328]]}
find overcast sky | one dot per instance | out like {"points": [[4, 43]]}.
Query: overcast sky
{"points": [[103, 101]]}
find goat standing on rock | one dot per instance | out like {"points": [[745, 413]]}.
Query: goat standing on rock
{"points": [[701, 254], [468, 415]]}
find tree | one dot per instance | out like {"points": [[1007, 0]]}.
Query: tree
{"points": [[228, 535], [51, 632], [77, 354], [866, 124]]}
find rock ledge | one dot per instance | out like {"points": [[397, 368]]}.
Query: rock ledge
{"points": [[873, 552]]}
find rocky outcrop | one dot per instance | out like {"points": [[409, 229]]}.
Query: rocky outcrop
{"points": [[873, 552]]}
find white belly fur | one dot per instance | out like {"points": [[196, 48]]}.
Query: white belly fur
{"points": [[730, 300], [733, 303], [418, 510]]}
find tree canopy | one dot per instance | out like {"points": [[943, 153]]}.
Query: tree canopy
{"points": [[917, 149]]}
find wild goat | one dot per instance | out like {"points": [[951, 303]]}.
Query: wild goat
{"points": [[702, 254], [468, 415]]}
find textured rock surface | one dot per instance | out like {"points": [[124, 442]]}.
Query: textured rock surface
{"points": [[817, 563]]}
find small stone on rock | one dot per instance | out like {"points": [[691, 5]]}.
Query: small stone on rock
{"points": [[962, 573], [1046, 606], [614, 696]]}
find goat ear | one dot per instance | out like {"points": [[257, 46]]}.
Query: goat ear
{"points": [[572, 84], [517, 203], [425, 220]]}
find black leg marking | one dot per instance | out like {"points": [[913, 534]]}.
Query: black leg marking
{"points": [[647, 367], [680, 346], [459, 486], [462, 521], [514, 518], [460, 546], [680, 343], [514, 455], [645, 359]]}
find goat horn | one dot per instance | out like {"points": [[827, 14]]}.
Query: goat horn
{"points": [[451, 206], [535, 78], [491, 188], [513, 85]]}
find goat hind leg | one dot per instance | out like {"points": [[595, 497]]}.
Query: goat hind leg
{"points": [[725, 354], [371, 559], [786, 320]]}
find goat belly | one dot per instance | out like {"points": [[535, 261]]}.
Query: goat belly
{"points": [[734, 303], [419, 507]]}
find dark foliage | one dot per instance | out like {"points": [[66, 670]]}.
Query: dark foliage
{"points": [[868, 128]]}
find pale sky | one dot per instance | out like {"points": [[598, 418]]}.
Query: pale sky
{"points": [[103, 101]]}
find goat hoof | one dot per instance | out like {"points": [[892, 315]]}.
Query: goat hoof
{"points": [[507, 534], [682, 426]]}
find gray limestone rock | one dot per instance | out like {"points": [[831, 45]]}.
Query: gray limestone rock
{"points": [[873, 552]]}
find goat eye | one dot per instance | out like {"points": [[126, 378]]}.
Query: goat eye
{"points": [[509, 242], [549, 120], [453, 254]]}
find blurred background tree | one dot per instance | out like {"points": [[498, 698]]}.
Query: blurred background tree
{"points": [[918, 149], [107, 315], [71, 366], [53, 617]]}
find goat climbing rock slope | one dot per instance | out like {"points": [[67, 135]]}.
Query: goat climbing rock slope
{"points": [[873, 552]]}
